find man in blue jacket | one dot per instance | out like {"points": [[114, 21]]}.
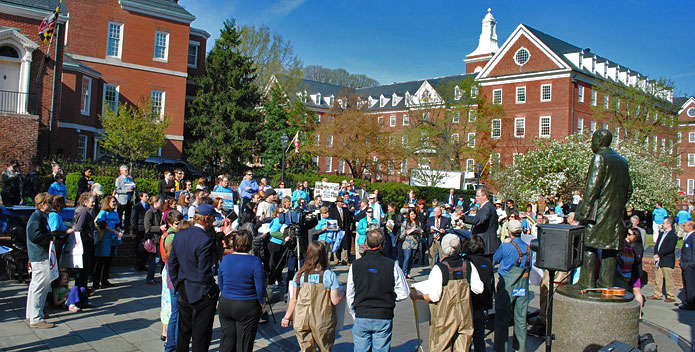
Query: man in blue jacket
{"points": [[688, 266], [38, 240], [247, 187], [190, 270]]}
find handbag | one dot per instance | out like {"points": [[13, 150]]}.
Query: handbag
{"points": [[149, 246]]}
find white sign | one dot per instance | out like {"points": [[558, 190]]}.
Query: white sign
{"points": [[53, 262], [227, 199], [327, 190], [283, 192]]}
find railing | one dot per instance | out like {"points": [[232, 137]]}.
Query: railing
{"points": [[17, 102]]}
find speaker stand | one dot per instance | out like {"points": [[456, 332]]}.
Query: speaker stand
{"points": [[549, 312]]}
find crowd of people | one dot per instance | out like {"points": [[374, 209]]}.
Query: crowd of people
{"points": [[225, 249]]}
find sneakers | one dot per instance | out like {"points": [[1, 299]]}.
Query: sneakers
{"points": [[73, 308], [42, 325]]}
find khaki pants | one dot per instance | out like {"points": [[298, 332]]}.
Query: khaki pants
{"points": [[664, 275], [435, 248], [560, 276], [358, 250]]}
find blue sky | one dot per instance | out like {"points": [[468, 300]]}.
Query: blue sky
{"points": [[395, 41]]}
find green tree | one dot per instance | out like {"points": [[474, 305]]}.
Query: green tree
{"points": [[225, 118], [271, 54], [338, 76], [135, 132]]}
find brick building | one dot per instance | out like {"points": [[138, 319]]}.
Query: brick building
{"points": [[124, 52], [548, 88], [29, 106], [686, 139]]}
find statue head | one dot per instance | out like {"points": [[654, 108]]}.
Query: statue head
{"points": [[601, 139]]}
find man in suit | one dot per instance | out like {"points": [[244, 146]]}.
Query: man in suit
{"points": [[437, 225], [340, 212], [451, 198], [688, 266], [485, 221], [190, 270], [665, 261], [137, 223], [608, 188]]}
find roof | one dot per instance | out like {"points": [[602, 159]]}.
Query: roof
{"points": [[167, 8], [71, 64], [44, 5], [560, 47], [680, 100]]}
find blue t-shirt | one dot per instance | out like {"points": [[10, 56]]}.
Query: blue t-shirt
{"points": [[58, 189], [322, 223], [241, 277], [681, 217], [558, 211], [507, 256], [659, 215], [55, 222], [330, 280]]}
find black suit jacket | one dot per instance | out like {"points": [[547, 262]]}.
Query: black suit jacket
{"points": [[688, 252], [667, 249], [451, 199], [190, 263], [444, 223], [485, 224], [137, 217], [344, 222]]}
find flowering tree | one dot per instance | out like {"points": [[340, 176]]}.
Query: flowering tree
{"points": [[559, 167]]}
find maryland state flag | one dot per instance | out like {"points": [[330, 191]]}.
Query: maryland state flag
{"points": [[48, 24]]}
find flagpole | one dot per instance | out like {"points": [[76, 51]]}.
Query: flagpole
{"points": [[50, 41]]}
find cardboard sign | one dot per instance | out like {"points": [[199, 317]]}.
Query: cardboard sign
{"points": [[327, 190]]}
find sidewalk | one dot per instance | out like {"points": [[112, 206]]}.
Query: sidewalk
{"points": [[126, 318]]}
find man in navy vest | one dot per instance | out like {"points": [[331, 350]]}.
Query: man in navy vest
{"points": [[374, 285]]}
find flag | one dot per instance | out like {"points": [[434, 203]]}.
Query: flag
{"points": [[489, 160], [48, 24], [295, 141]]}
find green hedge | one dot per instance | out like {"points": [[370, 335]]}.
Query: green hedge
{"points": [[108, 183]]}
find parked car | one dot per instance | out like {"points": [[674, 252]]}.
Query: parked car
{"points": [[171, 164]]}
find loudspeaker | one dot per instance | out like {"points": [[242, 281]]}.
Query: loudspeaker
{"points": [[559, 247]]}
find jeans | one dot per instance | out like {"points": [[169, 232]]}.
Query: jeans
{"points": [[407, 260], [172, 328], [38, 289], [374, 334]]}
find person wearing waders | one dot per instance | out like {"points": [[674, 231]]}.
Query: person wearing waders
{"points": [[314, 293], [448, 288], [512, 288]]}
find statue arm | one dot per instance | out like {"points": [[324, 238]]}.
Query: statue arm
{"points": [[594, 181]]}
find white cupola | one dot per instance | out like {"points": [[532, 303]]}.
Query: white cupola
{"points": [[487, 44]]}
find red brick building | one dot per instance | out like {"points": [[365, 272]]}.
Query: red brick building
{"points": [[29, 106], [686, 139], [548, 88]]}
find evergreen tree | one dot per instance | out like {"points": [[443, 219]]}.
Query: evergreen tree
{"points": [[224, 120]]}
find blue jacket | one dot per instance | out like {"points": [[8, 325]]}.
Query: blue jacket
{"points": [[190, 263], [58, 189], [38, 236], [297, 194], [243, 193], [110, 239]]}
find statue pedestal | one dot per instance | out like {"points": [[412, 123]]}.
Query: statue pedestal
{"points": [[587, 323]]}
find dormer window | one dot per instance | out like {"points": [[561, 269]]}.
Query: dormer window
{"points": [[395, 99], [383, 101], [318, 98], [457, 93], [330, 100]]}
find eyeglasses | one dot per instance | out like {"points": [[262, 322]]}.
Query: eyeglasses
{"points": [[369, 212]]}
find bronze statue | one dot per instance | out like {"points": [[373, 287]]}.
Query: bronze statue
{"points": [[608, 188]]}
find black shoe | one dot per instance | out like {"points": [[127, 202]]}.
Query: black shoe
{"points": [[107, 284], [264, 318], [686, 307]]}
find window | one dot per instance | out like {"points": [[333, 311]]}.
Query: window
{"points": [[329, 164], [318, 139], [691, 112], [392, 121], [471, 140], [516, 158], [544, 127], [496, 129], [161, 45], [679, 137], [193, 54], [521, 56], [580, 94], [495, 159], [592, 126], [497, 96], [404, 166], [315, 160], [678, 161], [678, 183], [392, 140], [520, 127], [691, 187], [470, 165], [110, 98], [520, 95], [580, 125], [390, 168], [82, 147], [318, 99], [455, 116], [594, 97], [471, 115], [455, 138], [406, 120], [404, 140], [380, 120], [655, 144], [341, 166], [605, 101], [457, 93], [86, 96], [426, 116], [113, 41], [663, 145], [546, 92], [329, 141], [157, 99], [474, 91], [691, 137]]}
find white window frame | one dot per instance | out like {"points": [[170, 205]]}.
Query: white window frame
{"points": [[470, 165], [678, 160], [404, 166], [592, 126], [594, 96], [498, 129], [521, 120], [457, 93], [404, 139], [540, 126], [426, 116], [606, 101], [691, 137], [472, 115], [86, 95], [380, 120], [494, 96], [580, 125], [392, 120], [516, 156], [521, 93], [82, 142], [104, 103], [691, 186], [679, 137], [580, 93], [165, 57], [162, 102], [197, 52], [406, 120], [341, 166], [550, 92], [471, 139], [329, 141], [691, 159], [455, 116], [455, 137], [328, 164], [656, 144], [120, 39]]}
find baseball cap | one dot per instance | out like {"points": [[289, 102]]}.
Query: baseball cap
{"points": [[96, 188], [514, 226], [206, 209], [270, 192]]}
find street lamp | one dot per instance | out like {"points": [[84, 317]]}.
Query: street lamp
{"points": [[284, 139], [478, 171]]}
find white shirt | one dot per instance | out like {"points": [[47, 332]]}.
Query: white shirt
{"points": [[401, 287], [433, 285]]}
